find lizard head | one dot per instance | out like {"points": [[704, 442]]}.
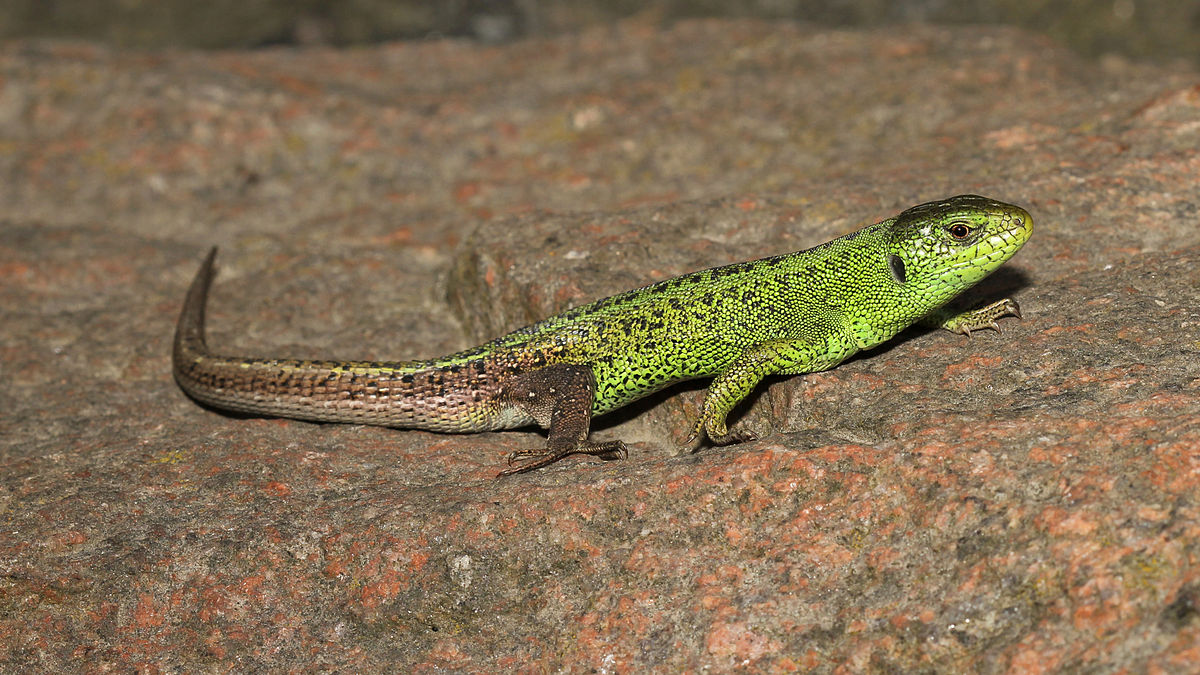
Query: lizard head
{"points": [[941, 248]]}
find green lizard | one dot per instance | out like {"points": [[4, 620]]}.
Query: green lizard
{"points": [[795, 313]]}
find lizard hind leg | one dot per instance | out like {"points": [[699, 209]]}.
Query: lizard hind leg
{"points": [[560, 398]]}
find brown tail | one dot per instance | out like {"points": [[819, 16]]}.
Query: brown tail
{"points": [[189, 332]]}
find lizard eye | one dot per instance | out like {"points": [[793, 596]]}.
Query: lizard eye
{"points": [[959, 230]]}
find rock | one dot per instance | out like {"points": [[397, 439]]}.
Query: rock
{"points": [[1006, 502]]}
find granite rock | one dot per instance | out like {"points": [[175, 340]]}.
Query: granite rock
{"points": [[1013, 502]]}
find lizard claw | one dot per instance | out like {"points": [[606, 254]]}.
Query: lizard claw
{"points": [[735, 436], [694, 437]]}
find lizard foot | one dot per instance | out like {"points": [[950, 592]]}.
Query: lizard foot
{"points": [[734, 436], [540, 458], [722, 436], [984, 317]]}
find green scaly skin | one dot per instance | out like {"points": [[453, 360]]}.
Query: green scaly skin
{"points": [[796, 313]]}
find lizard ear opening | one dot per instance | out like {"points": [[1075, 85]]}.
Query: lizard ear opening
{"points": [[896, 267]]}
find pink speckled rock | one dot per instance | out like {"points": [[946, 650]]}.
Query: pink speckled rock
{"points": [[1018, 502]]}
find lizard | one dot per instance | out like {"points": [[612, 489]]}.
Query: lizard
{"points": [[795, 313]]}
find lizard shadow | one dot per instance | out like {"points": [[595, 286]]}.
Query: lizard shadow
{"points": [[999, 285]]}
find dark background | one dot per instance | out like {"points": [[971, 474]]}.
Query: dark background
{"points": [[1161, 31]]}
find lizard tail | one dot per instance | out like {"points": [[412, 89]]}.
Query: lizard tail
{"points": [[407, 394], [189, 331]]}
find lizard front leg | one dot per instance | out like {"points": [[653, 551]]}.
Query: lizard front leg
{"points": [[558, 397], [965, 322]]}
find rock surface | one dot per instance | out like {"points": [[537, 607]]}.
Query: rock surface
{"points": [[1015, 502]]}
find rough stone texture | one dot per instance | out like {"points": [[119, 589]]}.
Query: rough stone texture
{"points": [[1015, 502]]}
